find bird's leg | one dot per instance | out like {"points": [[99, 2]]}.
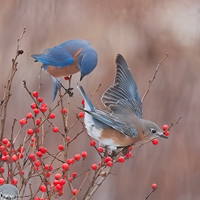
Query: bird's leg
{"points": [[113, 154], [125, 150], [68, 91]]}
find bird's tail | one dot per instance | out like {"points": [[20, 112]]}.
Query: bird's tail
{"points": [[88, 104], [55, 86], [36, 56]]}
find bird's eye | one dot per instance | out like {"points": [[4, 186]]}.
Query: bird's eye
{"points": [[153, 130]]}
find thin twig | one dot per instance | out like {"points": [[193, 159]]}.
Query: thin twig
{"points": [[150, 194], [96, 90], [153, 77]]}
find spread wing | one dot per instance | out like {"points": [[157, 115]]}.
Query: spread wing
{"points": [[124, 91]]}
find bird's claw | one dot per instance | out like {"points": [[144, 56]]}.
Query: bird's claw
{"points": [[68, 91]]}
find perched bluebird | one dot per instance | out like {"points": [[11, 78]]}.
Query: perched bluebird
{"points": [[123, 125], [8, 191], [66, 59]]}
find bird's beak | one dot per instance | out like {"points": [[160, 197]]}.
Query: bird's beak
{"points": [[162, 135], [81, 77]]}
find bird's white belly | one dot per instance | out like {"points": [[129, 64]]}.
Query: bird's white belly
{"points": [[96, 133], [91, 128]]}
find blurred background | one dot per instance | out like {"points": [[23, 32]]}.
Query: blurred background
{"points": [[142, 31]]}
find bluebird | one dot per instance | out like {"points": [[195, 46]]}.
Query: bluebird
{"points": [[122, 125], [66, 59], [8, 191]]}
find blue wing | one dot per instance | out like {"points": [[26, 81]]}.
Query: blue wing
{"points": [[124, 91], [55, 57]]}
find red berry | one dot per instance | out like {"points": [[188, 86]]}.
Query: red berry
{"points": [[14, 181], [52, 115], [84, 154], [9, 145], [57, 176], [55, 182], [128, 155], [36, 110], [55, 129], [63, 111], [37, 163], [100, 149], [109, 163], [48, 167], [20, 155], [23, 121], [40, 99], [43, 109], [121, 159], [165, 127], [14, 158], [94, 166], [70, 179], [33, 106], [43, 150], [30, 131], [92, 143], [74, 191], [166, 133], [21, 149], [4, 152], [39, 154], [2, 169], [65, 166], [107, 159], [29, 115], [68, 139], [44, 105], [22, 172], [70, 161], [32, 157], [62, 181], [74, 174], [154, 186], [77, 157], [66, 78], [61, 147], [2, 181], [130, 148], [2, 148], [38, 121], [5, 141], [59, 187], [81, 115], [43, 188], [3, 158], [48, 174], [35, 94], [155, 141], [83, 102]]}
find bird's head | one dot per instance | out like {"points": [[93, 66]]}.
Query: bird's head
{"points": [[152, 130], [87, 63], [8, 191]]}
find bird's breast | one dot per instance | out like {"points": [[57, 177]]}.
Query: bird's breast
{"points": [[64, 71]]}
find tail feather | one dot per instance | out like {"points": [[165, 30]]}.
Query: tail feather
{"points": [[55, 86], [36, 56], [88, 104]]}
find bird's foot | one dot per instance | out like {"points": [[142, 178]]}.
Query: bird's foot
{"points": [[68, 91]]}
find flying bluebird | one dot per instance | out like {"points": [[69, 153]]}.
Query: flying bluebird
{"points": [[8, 191], [66, 59], [123, 125]]}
